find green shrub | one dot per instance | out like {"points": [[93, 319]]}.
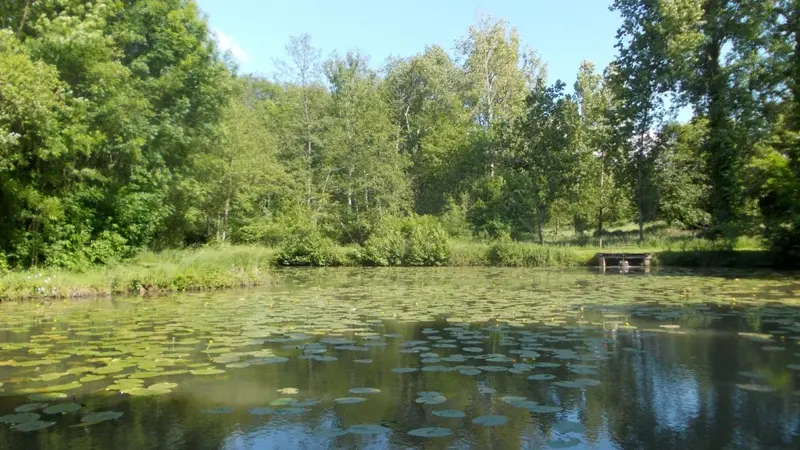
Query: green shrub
{"points": [[311, 249], [427, 242], [411, 241], [107, 248], [506, 252]]}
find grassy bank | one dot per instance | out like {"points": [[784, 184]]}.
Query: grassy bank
{"points": [[240, 266], [147, 274]]}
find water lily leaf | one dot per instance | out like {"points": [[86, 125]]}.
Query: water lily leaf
{"points": [[108, 370], [329, 433], [368, 429], [431, 398], [91, 378], [207, 371], [431, 432], [219, 410], [793, 366], [64, 387], [146, 392], [566, 426], [470, 372], [362, 361], [762, 388], [100, 416], [564, 443], [30, 407], [512, 399], [47, 396], [62, 408], [283, 402], [490, 420], [449, 413], [541, 377], [404, 370], [306, 403], [291, 411], [238, 365], [350, 400], [545, 409], [34, 425], [364, 390], [261, 411], [13, 419]]}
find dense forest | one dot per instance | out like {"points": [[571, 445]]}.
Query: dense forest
{"points": [[123, 128]]}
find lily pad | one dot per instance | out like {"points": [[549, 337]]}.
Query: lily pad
{"points": [[14, 419], [761, 388], [541, 377], [207, 371], [368, 429], [261, 411], [431, 432], [146, 392], [101, 416], [91, 378], [566, 426], [470, 372], [545, 409], [564, 443], [283, 402], [30, 407], [405, 370], [364, 390], [34, 425], [490, 420], [220, 410], [350, 400], [62, 408], [291, 411], [449, 413], [47, 397], [330, 433]]}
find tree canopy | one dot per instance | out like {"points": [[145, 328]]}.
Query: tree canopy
{"points": [[123, 127]]}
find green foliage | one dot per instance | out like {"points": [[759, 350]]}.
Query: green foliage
{"points": [[308, 249], [411, 241], [506, 252], [123, 129]]}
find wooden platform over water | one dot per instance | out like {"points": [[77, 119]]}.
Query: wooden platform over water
{"points": [[624, 260]]}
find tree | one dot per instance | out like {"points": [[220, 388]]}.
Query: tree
{"points": [[307, 101], [369, 172], [545, 148], [427, 107], [494, 85], [638, 75]]}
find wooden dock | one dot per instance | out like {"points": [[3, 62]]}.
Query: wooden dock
{"points": [[625, 261]]}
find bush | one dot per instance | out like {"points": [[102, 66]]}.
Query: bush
{"points": [[412, 241], [311, 249], [505, 252]]}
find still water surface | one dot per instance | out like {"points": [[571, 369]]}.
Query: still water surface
{"points": [[413, 358]]}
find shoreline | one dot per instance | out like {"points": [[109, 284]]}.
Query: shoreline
{"points": [[207, 269]]}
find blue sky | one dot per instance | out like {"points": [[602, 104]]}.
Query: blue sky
{"points": [[564, 32]]}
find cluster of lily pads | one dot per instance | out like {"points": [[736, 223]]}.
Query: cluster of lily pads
{"points": [[516, 326]]}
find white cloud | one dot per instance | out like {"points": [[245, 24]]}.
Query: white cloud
{"points": [[226, 43]]}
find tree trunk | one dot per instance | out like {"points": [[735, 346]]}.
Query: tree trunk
{"points": [[225, 219], [600, 212], [640, 197], [721, 157], [539, 225], [793, 18]]}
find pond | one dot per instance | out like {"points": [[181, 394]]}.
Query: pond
{"points": [[413, 358]]}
